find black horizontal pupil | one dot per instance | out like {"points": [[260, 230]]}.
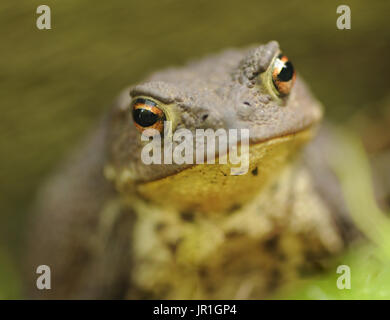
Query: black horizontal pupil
{"points": [[287, 72], [145, 117]]}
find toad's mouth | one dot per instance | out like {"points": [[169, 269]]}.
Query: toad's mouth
{"points": [[211, 187]]}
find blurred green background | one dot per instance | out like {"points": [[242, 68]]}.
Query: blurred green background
{"points": [[56, 83]]}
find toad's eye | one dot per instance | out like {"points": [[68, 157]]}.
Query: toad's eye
{"points": [[147, 115], [283, 75]]}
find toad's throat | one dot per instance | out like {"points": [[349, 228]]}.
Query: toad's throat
{"points": [[212, 188]]}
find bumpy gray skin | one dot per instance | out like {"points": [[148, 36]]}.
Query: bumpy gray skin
{"points": [[89, 256]]}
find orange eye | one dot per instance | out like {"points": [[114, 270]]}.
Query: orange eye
{"points": [[283, 75], [147, 115]]}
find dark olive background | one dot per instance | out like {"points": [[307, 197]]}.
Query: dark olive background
{"points": [[56, 83]]}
